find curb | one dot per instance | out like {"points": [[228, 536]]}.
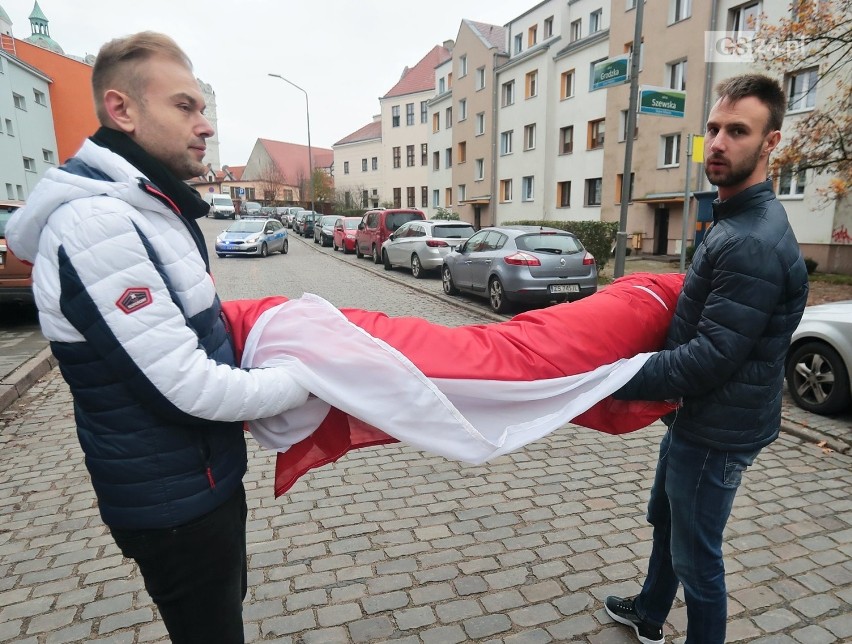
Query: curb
{"points": [[16, 383], [816, 438]]}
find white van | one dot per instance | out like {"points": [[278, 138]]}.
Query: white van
{"points": [[221, 206]]}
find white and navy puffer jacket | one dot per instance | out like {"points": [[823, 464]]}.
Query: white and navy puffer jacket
{"points": [[134, 321]]}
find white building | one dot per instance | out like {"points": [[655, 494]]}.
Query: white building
{"points": [[440, 173], [358, 167]]}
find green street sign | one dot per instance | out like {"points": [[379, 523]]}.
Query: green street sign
{"points": [[612, 71], [661, 101]]}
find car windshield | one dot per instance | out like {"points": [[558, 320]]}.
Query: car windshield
{"points": [[556, 243], [351, 224], [452, 232], [397, 219], [247, 226], [329, 220], [222, 201]]}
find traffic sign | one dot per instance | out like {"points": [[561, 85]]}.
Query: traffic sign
{"points": [[242, 191], [662, 101], [612, 71]]}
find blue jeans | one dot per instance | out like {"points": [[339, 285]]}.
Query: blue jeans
{"points": [[690, 503], [196, 573]]}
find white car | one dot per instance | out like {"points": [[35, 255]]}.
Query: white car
{"points": [[422, 245], [819, 360]]}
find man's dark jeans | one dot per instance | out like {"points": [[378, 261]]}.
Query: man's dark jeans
{"points": [[690, 503], [196, 573]]}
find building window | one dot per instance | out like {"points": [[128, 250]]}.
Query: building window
{"points": [[576, 30], [424, 112], [670, 150], [397, 197], [567, 84], [676, 75], [436, 160], [548, 27], [363, 165], [480, 123], [448, 118], [436, 198], [346, 167], [595, 21], [462, 109], [563, 194], [462, 193], [479, 169], [396, 157], [519, 43], [628, 49], [505, 190], [409, 197], [409, 113], [448, 158], [791, 183], [527, 189], [29, 164], [508, 93], [679, 10], [365, 198], [10, 130], [19, 101], [10, 191], [506, 142], [622, 126], [424, 197], [409, 156], [395, 116], [424, 154], [529, 136], [597, 130], [462, 66], [619, 186], [566, 139], [39, 97], [531, 84], [630, 4], [480, 78], [801, 90], [532, 36], [462, 152], [743, 18], [593, 192], [442, 85], [436, 121], [375, 163], [448, 197]]}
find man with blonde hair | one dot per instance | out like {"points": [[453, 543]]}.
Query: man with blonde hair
{"points": [[122, 282]]}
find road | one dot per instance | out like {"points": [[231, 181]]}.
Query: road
{"points": [[394, 544]]}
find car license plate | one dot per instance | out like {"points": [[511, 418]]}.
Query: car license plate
{"points": [[564, 288]]}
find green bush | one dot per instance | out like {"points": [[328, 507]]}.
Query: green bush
{"points": [[446, 214], [811, 265], [597, 236], [690, 253]]}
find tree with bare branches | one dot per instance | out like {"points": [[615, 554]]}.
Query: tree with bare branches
{"points": [[272, 182]]}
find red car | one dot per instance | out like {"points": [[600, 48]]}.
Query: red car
{"points": [[344, 233]]}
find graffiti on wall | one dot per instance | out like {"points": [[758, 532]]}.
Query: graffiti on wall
{"points": [[841, 236]]}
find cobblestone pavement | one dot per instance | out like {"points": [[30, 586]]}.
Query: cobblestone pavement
{"points": [[392, 544]]}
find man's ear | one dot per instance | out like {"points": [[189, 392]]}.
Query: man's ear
{"points": [[771, 142], [120, 109]]}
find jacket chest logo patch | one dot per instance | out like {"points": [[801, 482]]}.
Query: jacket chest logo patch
{"points": [[134, 299]]}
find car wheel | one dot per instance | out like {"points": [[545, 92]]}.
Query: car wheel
{"points": [[817, 379], [416, 267], [334, 245], [344, 249], [386, 261], [447, 281], [358, 252], [497, 296], [377, 258], [264, 250], [285, 247]]}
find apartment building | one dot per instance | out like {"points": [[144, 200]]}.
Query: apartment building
{"points": [[358, 176], [27, 137], [405, 132], [440, 142]]}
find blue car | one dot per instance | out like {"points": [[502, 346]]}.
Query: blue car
{"points": [[252, 237]]}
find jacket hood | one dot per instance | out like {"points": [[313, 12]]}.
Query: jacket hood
{"points": [[94, 171]]}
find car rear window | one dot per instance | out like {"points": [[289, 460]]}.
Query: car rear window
{"points": [[396, 219], [5, 216], [452, 232], [556, 243]]}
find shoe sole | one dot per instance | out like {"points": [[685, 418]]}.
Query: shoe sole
{"points": [[627, 622]]}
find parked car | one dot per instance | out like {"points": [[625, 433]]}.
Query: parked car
{"points": [[521, 264], [299, 221], [308, 221], [269, 212], [221, 206], [422, 245], [376, 226], [252, 237], [324, 229], [819, 361], [344, 234], [16, 282], [250, 208], [286, 214]]}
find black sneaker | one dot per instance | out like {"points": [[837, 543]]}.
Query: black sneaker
{"points": [[623, 612]]}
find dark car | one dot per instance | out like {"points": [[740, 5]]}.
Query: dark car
{"points": [[324, 229], [377, 225], [308, 221], [521, 264]]}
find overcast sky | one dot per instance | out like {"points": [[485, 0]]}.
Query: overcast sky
{"points": [[344, 53]]}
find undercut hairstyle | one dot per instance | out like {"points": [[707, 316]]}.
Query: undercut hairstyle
{"points": [[765, 89], [121, 62]]}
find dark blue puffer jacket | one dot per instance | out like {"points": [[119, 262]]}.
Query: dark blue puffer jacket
{"points": [[724, 356]]}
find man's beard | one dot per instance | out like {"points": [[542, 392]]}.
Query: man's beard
{"points": [[737, 173]]}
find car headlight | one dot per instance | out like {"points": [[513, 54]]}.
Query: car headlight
{"points": [[252, 239]]}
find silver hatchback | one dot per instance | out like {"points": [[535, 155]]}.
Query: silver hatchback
{"points": [[422, 245], [521, 264]]}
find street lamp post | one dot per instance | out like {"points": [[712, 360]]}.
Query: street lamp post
{"points": [[310, 152]]}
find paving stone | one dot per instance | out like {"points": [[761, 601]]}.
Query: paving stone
{"points": [[371, 629], [479, 627], [338, 614]]}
